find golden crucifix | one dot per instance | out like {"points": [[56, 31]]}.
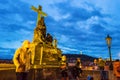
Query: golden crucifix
{"points": [[39, 11]]}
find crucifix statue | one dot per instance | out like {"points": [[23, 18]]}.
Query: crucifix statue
{"points": [[40, 13]]}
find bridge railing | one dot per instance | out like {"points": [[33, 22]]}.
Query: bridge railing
{"points": [[7, 72]]}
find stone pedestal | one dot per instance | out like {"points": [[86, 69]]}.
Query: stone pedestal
{"points": [[45, 73]]}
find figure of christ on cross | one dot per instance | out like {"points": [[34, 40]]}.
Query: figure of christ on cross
{"points": [[39, 11]]}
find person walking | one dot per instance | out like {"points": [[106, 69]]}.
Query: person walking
{"points": [[64, 72], [101, 64], [64, 68], [21, 60], [77, 71]]}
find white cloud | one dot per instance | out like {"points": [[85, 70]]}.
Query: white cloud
{"points": [[43, 2], [63, 39], [12, 19], [81, 4], [119, 54], [4, 51], [23, 32], [67, 49], [86, 25], [12, 44], [93, 20], [65, 16], [29, 24], [60, 16]]}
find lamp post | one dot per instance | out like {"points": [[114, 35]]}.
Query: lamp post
{"points": [[108, 41]]}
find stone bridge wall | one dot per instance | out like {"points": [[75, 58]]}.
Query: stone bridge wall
{"points": [[46, 74]]}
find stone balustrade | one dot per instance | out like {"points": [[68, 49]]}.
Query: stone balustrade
{"points": [[7, 72]]}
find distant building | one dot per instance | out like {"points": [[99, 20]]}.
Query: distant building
{"points": [[71, 58]]}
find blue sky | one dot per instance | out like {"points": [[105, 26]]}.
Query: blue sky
{"points": [[78, 25]]}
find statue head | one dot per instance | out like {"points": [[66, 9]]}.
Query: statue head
{"points": [[100, 59], [40, 7], [78, 59], [95, 60], [64, 58], [26, 44]]}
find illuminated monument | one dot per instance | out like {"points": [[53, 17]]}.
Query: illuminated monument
{"points": [[44, 47]]}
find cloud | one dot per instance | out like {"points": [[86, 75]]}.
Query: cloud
{"points": [[16, 21], [119, 54], [12, 44], [82, 4], [86, 25], [68, 49], [78, 18], [6, 53], [12, 14], [63, 39]]}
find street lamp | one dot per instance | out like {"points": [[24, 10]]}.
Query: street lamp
{"points": [[108, 41]]}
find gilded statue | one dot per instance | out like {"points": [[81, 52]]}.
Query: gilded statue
{"points": [[40, 32]]}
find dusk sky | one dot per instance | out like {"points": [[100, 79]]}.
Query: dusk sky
{"points": [[78, 25]]}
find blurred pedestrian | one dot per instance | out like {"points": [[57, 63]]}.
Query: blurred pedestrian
{"points": [[77, 71], [21, 60], [64, 68], [64, 72], [116, 69], [101, 64], [89, 77], [95, 65]]}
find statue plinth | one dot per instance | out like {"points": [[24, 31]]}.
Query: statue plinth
{"points": [[45, 55]]}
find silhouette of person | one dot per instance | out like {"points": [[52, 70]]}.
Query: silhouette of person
{"points": [[77, 69], [64, 68], [64, 72], [101, 64]]}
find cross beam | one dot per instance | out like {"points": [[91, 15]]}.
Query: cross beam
{"points": [[39, 11]]}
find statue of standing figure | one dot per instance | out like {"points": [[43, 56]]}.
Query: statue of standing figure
{"points": [[49, 39], [40, 32]]}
